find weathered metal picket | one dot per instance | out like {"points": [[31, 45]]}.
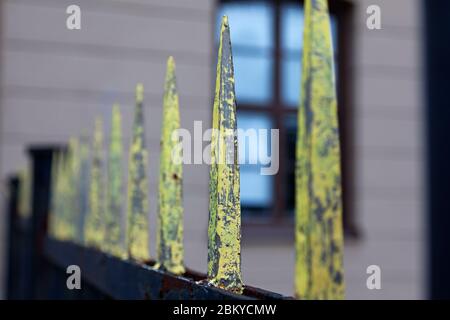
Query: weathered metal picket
{"points": [[169, 238], [319, 236], [85, 197], [224, 243]]}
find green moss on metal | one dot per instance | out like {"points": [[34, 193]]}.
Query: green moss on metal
{"points": [[319, 270], [94, 229], [224, 230], [137, 211], [170, 251], [114, 230]]}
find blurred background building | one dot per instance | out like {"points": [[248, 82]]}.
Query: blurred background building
{"points": [[54, 81]]}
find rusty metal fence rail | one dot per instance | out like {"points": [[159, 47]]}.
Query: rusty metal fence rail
{"points": [[77, 196]]}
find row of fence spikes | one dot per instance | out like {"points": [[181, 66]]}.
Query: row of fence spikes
{"points": [[86, 204], [98, 224], [319, 235]]}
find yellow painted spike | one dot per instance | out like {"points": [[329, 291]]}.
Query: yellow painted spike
{"points": [[83, 187], [25, 181], [170, 251], [94, 229], [319, 270], [113, 233], [137, 212], [224, 230], [73, 175], [63, 226]]}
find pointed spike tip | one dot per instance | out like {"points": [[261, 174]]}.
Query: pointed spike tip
{"points": [[139, 93], [171, 62], [225, 21], [170, 68]]}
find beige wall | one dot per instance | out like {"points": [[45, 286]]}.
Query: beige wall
{"points": [[389, 152], [54, 81]]}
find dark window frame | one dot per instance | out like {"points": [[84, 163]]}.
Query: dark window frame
{"points": [[278, 110]]}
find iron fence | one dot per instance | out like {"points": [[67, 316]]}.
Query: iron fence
{"points": [[77, 196]]}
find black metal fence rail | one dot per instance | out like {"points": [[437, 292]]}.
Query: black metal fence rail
{"points": [[120, 279]]}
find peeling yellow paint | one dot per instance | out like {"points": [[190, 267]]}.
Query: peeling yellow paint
{"points": [[224, 230], [319, 237], [137, 212], [113, 225], [94, 229], [72, 209], [170, 251], [64, 202], [82, 187]]}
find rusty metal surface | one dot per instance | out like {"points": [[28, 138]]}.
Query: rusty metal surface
{"points": [[120, 279]]}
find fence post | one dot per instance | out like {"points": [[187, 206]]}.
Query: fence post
{"points": [[14, 237], [41, 158], [224, 230], [319, 236], [170, 208], [114, 229], [137, 213]]}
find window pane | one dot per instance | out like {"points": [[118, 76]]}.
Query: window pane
{"points": [[292, 44], [251, 27], [256, 189], [292, 27], [251, 24], [253, 79], [290, 86]]}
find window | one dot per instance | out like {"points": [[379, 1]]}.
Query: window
{"points": [[267, 47]]}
